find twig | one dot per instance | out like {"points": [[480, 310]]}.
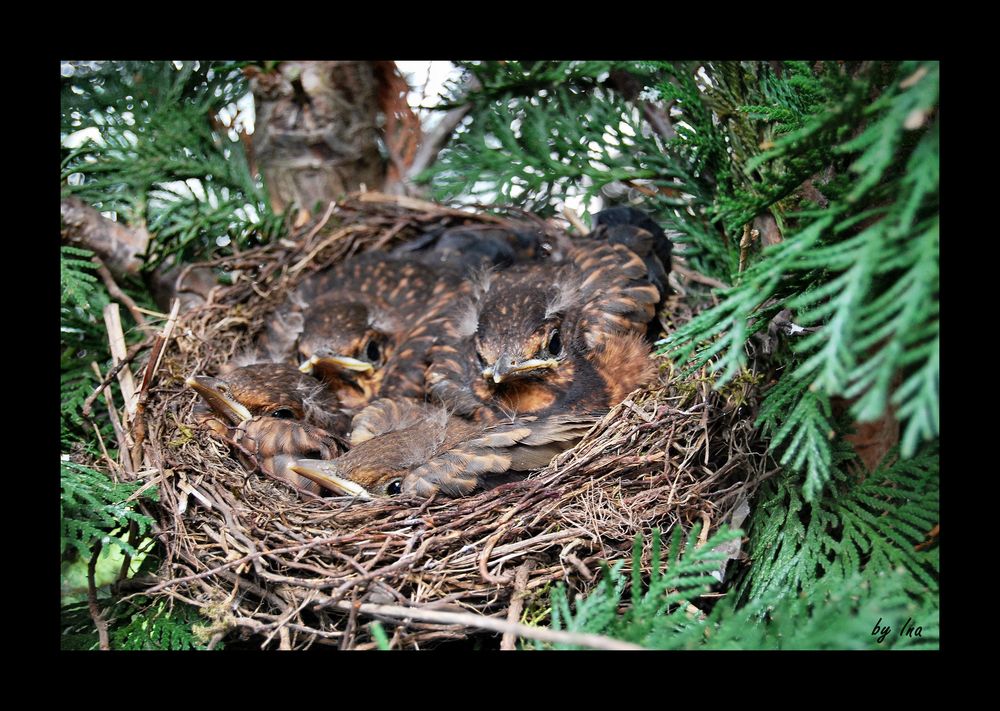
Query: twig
{"points": [[123, 445], [339, 234], [244, 559], [700, 278], [116, 339], [468, 619], [575, 220], [659, 120], [423, 206], [516, 604], [484, 559], [119, 245], [130, 356], [133, 540], [431, 145], [155, 358], [749, 237], [322, 222], [116, 293], [95, 612]]}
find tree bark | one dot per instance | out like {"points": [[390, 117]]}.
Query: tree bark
{"points": [[316, 135], [120, 249], [118, 246]]}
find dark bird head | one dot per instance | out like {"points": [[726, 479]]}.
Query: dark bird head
{"points": [[541, 339], [347, 344], [528, 348]]}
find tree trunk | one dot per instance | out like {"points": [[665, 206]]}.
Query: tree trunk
{"points": [[316, 135]]}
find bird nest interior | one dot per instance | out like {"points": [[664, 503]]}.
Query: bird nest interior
{"points": [[269, 565]]}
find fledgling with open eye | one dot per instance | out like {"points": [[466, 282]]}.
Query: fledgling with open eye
{"points": [[347, 345], [272, 409], [362, 326], [542, 339]]}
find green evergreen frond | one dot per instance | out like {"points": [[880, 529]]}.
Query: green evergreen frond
{"points": [[75, 276], [135, 624], [93, 506], [526, 153], [856, 528], [159, 626], [154, 158], [833, 574], [75, 387], [659, 604], [853, 613], [724, 327], [867, 283]]}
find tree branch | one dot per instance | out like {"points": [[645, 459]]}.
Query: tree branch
{"points": [[95, 612], [119, 247], [468, 619], [432, 143], [116, 293]]}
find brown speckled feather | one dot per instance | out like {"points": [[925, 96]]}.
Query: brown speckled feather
{"points": [[597, 304], [291, 414], [421, 448]]}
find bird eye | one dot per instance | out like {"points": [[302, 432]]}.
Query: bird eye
{"points": [[373, 352], [555, 344], [394, 487], [283, 413]]}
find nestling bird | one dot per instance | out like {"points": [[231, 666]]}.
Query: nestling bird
{"points": [[362, 326], [362, 351], [272, 409], [545, 339], [410, 448]]}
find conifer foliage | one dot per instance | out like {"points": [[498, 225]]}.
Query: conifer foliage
{"points": [[803, 188], [822, 575], [152, 145]]}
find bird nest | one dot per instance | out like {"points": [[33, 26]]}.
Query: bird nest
{"points": [[262, 561]]}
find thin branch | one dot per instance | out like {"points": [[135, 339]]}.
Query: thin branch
{"points": [[116, 340], [155, 358], [516, 604], [123, 446], [95, 612], [120, 247], [129, 357], [575, 220], [468, 619], [432, 144], [700, 278], [116, 293]]}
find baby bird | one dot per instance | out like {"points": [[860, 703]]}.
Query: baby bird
{"points": [[549, 339], [402, 447], [362, 326], [272, 409]]}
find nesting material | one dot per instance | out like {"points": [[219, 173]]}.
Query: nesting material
{"points": [[295, 571]]}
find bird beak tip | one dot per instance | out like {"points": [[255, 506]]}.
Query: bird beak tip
{"points": [[307, 367]]}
